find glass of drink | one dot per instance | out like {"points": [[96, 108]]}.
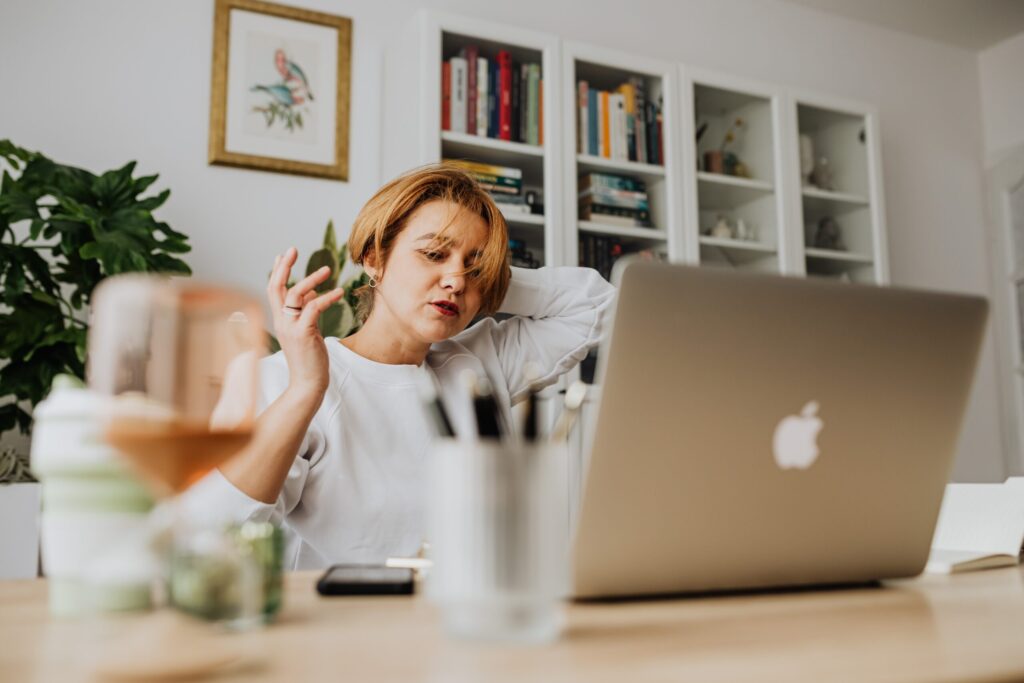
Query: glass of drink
{"points": [[177, 362]]}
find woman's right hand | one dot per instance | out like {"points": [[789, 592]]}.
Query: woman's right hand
{"points": [[296, 313]]}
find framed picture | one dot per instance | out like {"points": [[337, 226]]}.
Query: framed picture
{"points": [[279, 99]]}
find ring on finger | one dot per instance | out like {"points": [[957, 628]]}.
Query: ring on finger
{"points": [[293, 311]]}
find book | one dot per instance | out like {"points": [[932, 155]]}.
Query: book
{"points": [[446, 96], [482, 85], [524, 96], [615, 215], [493, 98], [504, 95], [980, 526], [592, 119], [639, 107], [533, 105], [611, 181], [582, 98], [540, 111], [471, 53], [620, 198], [517, 96], [460, 78], [604, 140], [488, 169]]}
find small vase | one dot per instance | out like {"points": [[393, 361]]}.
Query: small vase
{"points": [[713, 162]]}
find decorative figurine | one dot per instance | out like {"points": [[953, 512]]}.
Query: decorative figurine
{"points": [[822, 174], [722, 229], [828, 235], [745, 231], [806, 159]]}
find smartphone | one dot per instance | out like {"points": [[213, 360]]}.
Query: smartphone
{"points": [[369, 579]]}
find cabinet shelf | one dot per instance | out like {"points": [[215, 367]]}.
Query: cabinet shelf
{"points": [[736, 245], [523, 218], [589, 162], [649, 234], [833, 255]]}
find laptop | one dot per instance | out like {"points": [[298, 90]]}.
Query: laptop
{"points": [[758, 431]]}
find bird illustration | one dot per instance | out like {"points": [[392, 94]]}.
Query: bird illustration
{"points": [[281, 93], [290, 71]]}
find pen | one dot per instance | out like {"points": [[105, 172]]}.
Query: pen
{"points": [[574, 396], [486, 410], [431, 399]]}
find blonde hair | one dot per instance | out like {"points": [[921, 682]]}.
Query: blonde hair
{"points": [[385, 215]]}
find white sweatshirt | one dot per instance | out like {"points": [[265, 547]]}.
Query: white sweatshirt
{"points": [[356, 491]]}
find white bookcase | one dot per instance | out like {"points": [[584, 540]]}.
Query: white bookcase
{"points": [[606, 69], [780, 214], [749, 205], [845, 135]]}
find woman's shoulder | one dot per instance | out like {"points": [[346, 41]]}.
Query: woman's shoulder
{"points": [[273, 370]]}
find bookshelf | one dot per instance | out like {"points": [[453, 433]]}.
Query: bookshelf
{"points": [[735, 214], [837, 190], [416, 133], [644, 164], [685, 192]]}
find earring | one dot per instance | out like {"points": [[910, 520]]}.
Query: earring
{"points": [[373, 282]]}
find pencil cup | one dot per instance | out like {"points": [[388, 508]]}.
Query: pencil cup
{"points": [[499, 529]]}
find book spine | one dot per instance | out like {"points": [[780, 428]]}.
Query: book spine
{"points": [[517, 103], [459, 91], [505, 97], [605, 147], [493, 98], [532, 102], [661, 138], [482, 85], [540, 111], [524, 101], [446, 96], [471, 54], [592, 118], [641, 101], [488, 169], [581, 134], [611, 181], [649, 126]]}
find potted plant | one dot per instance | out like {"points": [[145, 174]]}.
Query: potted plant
{"points": [[340, 320], [62, 230]]}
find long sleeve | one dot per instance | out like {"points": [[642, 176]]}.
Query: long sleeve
{"points": [[216, 499], [559, 314]]}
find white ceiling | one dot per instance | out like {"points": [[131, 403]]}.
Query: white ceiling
{"points": [[971, 24]]}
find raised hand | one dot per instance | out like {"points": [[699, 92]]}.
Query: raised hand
{"points": [[296, 313]]}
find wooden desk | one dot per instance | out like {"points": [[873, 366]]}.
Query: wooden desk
{"points": [[963, 628]]}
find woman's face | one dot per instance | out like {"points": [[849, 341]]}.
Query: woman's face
{"points": [[424, 288]]}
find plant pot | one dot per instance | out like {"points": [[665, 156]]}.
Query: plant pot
{"points": [[19, 535], [713, 162]]}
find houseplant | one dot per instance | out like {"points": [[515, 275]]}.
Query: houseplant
{"points": [[340, 320], [62, 230]]}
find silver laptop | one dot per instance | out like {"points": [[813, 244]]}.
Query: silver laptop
{"points": [[760, 431]]}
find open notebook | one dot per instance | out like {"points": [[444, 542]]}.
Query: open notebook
{"points": [[980, 526]]}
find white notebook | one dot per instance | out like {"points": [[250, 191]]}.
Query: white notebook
{"points": [[980, 526]]}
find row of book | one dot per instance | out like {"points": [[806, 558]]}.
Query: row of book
{"points": [[495, 98], [504, 183], [622, 124], [600, 252], [613, 200]]}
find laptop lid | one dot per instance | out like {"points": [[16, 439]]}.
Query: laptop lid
{"points": [[758, 431]]}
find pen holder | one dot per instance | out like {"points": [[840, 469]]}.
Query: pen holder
{"points": [[499, 530]]}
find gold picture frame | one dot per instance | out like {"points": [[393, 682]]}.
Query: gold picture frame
{"points": [[263, 113]]}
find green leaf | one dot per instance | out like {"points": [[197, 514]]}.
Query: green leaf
{"points": [[319, 259], [330, 240]]}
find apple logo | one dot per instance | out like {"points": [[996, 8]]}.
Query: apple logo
{"points": [[795, 442]]}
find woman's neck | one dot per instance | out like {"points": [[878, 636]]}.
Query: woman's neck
{"points": [[379, 343]]}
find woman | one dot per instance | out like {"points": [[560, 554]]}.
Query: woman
{"points": [[340, 450]]}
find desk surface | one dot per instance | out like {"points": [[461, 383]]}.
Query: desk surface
{"points": [[968, 627]]}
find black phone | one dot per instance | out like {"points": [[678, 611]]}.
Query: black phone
{"points": [[365, 579]]}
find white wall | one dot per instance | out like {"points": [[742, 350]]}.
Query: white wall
{"points": [[1001, 81], [96, 83]]}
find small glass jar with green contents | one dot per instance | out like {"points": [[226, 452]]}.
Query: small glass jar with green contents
{"points": [[231, 575]]}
